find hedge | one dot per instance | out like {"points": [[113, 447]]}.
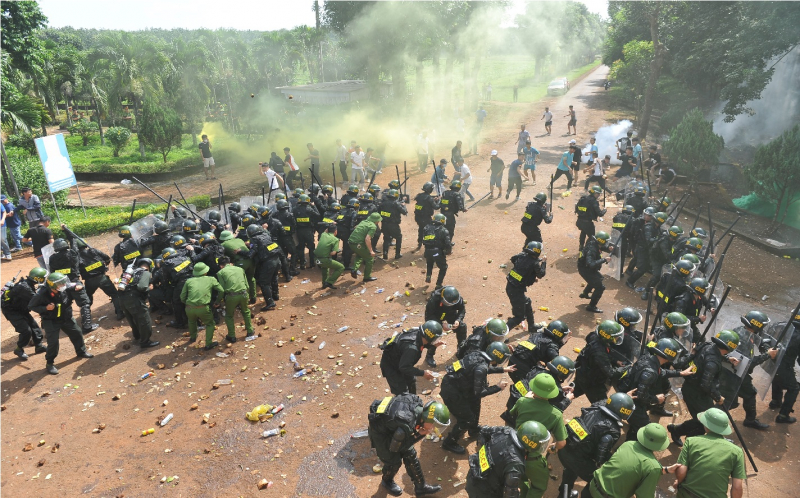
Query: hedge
{"points": [[28, 172]]}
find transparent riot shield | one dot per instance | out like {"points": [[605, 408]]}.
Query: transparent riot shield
{"points": [[176, 222], [614, 268], [765, 372], [143, 228], [685, 342], [47, 251]]}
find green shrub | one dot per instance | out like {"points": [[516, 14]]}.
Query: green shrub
{"points": [[693, 146], [160, 128], [24, 141], [119, 138], [28, 172], [85, 129]]}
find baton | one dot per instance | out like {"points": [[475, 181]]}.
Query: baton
{"points": [[405, 174], [263, 197], [717, 270], [730, 227], [710, 227], [696, 219], [186, 205], [646, 324], [649, 190], [739, 435], [661, 202], [222, 201], [479, 200], [133, 208], [716, 311], [551, 193], [788, 323], [335, 191], [169, 203], [302, 180]]}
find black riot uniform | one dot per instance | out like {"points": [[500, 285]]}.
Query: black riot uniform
{"points": [[68, 263], [286, 240], [669, 287], [747, 391], [391, 211], [646, 233], [436, 239], [306, 216], [437, 310], [157, 242], [589, 263], [588, 210], [660, 254], [463, 387], [638, 202], [134, 304], [56, 320], [160, 298], [178, 269], [690, 304], [94, 268], [527, 355], [125, 253], [527, 269], [594, 368], [505, 457], [425, 206], [400, 355], [619, 222], [269, 258], [700, 390], [785, 379], [590, 441], [535, 214], [14, 304], [210, 254], [450, 205], [478, 340], [646, 376], [520, 388]]}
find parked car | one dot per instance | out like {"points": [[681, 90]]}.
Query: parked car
{"points": [[558, 86]]}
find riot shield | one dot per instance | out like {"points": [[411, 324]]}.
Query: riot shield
{"points": [[685, 342], [175, 223], [614, 268], [143, 228], [47, 251], [764, 373]]}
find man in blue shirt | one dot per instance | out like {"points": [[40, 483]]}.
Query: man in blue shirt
{"points": [[637, 155], [563, 167], [514, 175], [530, 154], [592, 148], [6, 253], [13, 223]]}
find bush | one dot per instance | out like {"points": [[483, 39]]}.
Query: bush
{"points": [[693, 146], [85, 129], [119, 138], [24, 141], [28, 172], [160, 128]]}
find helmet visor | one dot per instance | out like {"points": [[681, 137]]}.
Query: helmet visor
{"points": [[618, 338], [541, 447]]}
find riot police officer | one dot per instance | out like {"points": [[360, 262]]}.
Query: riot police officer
{"points": [[701, 389], [54, 305], [395, 425], [632, 338], [305, 215], [189, 230], [465, 385], [177, 269], [529, 266], [424, 207], [286, 240], [14, 304], [210, 254], [213, 223], [638, 201], [159, 240], [269, 258], [535, 214], [351, 193], [391, 209], [178, 242], [66, 261], [495, 330], [436, 239], [618, 223], [589, 264], [235, 214], [560, 367], [451, 204], [595, 366], [295, 198], [671, 284], [591, 438], [645, 235], [541, 347], [692, 301], [785, 380], [660, 254], [588, 210], [401, 353], [134, 303], [446, 307], [127, 250]]}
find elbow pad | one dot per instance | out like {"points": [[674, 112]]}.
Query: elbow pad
{"points": [[397, 440], [511, 485]]}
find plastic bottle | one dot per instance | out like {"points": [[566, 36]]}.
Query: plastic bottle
{"points": [[224, 382], [166, 420], [321, 345], [271, 432], [277, 409], [403, 318], [360, 434], [147, 375], [300, 373], [250, 338], [378, 291], [292, 358], [343, 329]]}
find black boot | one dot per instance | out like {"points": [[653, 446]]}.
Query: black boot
{"points": [[450, 442], [414, 471], [389, 471], [661, 411], [750, 419], [675, 433], [429, 359], [785, 419]]}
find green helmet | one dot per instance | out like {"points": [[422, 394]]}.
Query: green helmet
{"points": [[755, 320], [694, 243], [160, 227], [282, 204], [648, 211], [450, 295], [38, 274], [439, 219], [353, 203], [534, 438], [206, 238], [248, 220], [327, 189], [167, 253], [692, 258], [253, 209], [177, 241], [263, 211], [595, 189], [60, 245], [497, 328], [395, 184], [666, 347], [676, 323], [297, 192], [557, 330], [226, 235], [698, 232], [602, 237], [541, 197], [336, 206], [147, 261], [280, 196], [685, 267], [189, 226], [610, 332], [214, 216], [181, 213], [455, 185], [660, 217], [640, 191], [254, 230], [366, 197], [699, 285], [235, 207], [665, 202], [314, 189], [675, 231], [434, 412], [498, 352], [374, 189], [125, 232], [533, 248], [57, 281], [159, 216], [561, 368], [627, 209], [427, 187], [726, 339], [627, 317], [303, 199], [619, 405], [432, 330], [393, 193], [352, 189]]}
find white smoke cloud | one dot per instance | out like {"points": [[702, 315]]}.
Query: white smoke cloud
{"points": [[607, 137]]}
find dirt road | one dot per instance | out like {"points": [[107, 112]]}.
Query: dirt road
{"points": [[226, 456]]}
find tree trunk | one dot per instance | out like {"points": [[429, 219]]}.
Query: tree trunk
{"points": [[194, 140], [138, 126], [99, 122], [655, 71], [399, 84], [8, 175]]}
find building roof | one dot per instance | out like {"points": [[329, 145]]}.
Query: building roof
{"points": [[332, 86]]}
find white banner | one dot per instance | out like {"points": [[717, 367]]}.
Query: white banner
{"points": [[55, 162]]}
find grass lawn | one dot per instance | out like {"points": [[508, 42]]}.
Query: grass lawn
{"points": [[99, 158]]}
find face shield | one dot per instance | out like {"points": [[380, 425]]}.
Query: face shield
{"points": [[618, 338], [541, 446]]}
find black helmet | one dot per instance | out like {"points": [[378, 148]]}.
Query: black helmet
{"points": [[248, 220], [253, 209], [352, 189], [726, 339], [561, 368], [374, 189], [235, 207], [147, 261], [353, 203], [627, 209], [181, 213], [157, 261], [628, 317], [303, 199], [206, 238], [189, 226], [314, 189], [450, 295], [297, 192], [160, 227], [214, 216], [699, 285], [327, 189], [684, 267], [263, 211], [666, 347], [534, 248], [124, 232], [366, 197], [177, 241], [254, 230], [541, 197], [455, 185], [698, 232], [167, 253], [619, 405], [439, 219], [432, 330], [282, 204], [427, 187], [640, 191], [610, 332], [395, 184], [336, 206], [557, 330], [649, 211], [60, 245], [756, 320]]}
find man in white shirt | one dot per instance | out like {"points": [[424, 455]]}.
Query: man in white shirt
{"points": [[357, 159], [524, 136], [294, 169], [274, 181], [422, 151], [466, 178], [341, 158], [598, 169], [548, 120]]}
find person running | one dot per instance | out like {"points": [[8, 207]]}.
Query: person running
{"points": [[341, 159], [524, 136], [547, 116], [530, 154], [592, 148], [573, 121], [515, 175], [597, 168], [357, 164], [466, 178], [496, 167], [563, 167], [205, 155]]}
